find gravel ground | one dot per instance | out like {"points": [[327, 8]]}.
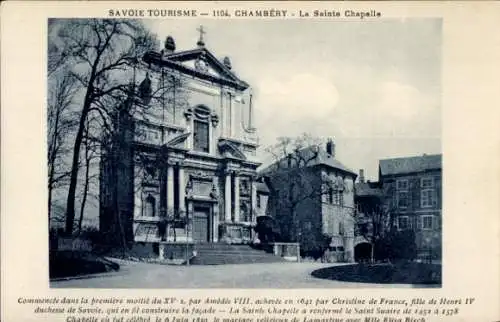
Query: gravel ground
{"points": [[269, 275]]}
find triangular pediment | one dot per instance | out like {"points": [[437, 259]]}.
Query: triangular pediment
{"points": [[208, 68], [200, 62], [230, 150], [177, 141], [195, 58]]}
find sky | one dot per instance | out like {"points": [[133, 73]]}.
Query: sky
{"points": [[373, 87]]}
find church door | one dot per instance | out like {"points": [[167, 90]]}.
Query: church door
{"points": [[201, 222]]}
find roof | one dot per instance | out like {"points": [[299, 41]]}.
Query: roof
{"points": [[322, 159], [410, 164], [367, 189], [174, 60]]}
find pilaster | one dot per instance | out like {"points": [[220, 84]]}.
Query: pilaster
{"points": [[236, 197], [227, 196], [182, 191], [170, 189], [254, 201]]}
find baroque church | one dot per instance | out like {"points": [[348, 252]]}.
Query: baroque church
{"points": [[181, 165]]}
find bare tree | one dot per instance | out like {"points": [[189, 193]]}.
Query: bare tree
{"points": [[60, 125], [375, 218], [99, 54], [292, 176], [91, 149]]}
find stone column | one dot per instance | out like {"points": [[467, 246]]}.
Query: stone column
{"points": [[215, 211], [236, 198], [182, 190], [254, 201], [230, 114], [227, 197], [137, 192], [170, 189], [223, 114], [189, 227], [214, 223]]}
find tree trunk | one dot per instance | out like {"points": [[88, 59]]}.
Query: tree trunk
{"points": [[70, 204], [372, 255], [50, 202], [51, 160], [85, 187], [295, 225]]}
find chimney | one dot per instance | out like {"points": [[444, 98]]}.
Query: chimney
{"points": [[330, 147], [361, 175]]}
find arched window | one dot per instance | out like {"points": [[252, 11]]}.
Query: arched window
{"points": [[150, 207]]}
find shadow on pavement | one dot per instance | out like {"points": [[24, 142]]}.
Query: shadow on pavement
{"points": [[420, 274]]}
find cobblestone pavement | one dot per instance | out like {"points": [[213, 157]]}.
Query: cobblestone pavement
{"points": [[269, 275]]}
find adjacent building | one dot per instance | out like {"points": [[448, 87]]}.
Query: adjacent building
{"points": [[413, 189], [181, 164], [312, 200]]}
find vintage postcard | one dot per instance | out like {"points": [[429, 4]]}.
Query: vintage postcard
{"points": [[256, 162]]}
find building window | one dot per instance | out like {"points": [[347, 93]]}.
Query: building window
{"points": [[341, 228], [150, 206], [402, 185], [402, 193], [403, 222], [335, 197], [427, 198], [402, 199], [259, 201], [427, 222], [200, 136], [427, 182]]}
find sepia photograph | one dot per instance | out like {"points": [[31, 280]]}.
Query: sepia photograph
{"points": [[244, 154]]}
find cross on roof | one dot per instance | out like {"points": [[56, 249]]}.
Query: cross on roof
{"points": [[202, 32]]}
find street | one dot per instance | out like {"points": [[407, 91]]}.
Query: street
{"points": [[269, 275]]}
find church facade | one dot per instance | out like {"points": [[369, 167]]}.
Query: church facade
{"points": [[181, 167]]}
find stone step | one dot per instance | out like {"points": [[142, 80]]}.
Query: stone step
{"points": [[230, 251], [222, 246], [232, 260], [220, 254]]}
